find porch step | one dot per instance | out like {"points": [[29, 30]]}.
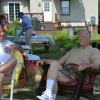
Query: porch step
{"points": [[49, 26]]}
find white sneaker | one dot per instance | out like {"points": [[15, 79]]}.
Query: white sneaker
{"points": [[46, 96]]}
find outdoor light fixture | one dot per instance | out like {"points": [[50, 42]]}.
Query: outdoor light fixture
{"points": [[39, 4]]}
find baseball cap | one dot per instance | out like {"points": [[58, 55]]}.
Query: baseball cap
{"points": [[20, 14]]}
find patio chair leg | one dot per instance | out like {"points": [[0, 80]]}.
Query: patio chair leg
{"points": [[12, 86], [79, 87]]}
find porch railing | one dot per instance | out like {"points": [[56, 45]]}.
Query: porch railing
{"points": [[73, 24], [39, 16]]}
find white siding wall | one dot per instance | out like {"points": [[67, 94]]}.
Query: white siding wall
{"points": [[24, 5], [91, 9], [36, 6]]}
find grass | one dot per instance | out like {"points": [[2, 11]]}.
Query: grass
{"points": [[54, 52]]}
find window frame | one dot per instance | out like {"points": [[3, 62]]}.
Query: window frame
{"points": [[61, 7], [46, 6], [14, 10]]}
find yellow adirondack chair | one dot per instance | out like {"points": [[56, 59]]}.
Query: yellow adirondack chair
{"points": [[16, 72]]}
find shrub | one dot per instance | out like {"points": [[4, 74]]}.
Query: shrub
{"points": [[95, 40], [13, 27], [95, 37], [64, 41]]}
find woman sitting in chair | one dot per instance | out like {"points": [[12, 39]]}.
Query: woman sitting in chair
{"points": [[7, 61]]}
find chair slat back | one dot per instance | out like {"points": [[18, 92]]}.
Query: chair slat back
{"points": [[19, 65]]}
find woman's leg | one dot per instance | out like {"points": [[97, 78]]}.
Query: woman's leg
{"points": [[2, 76], [8, 67]]}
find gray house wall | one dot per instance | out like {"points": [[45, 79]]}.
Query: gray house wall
{"points": [[79, 10]]}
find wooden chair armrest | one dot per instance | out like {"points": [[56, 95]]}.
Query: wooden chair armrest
{"points": [[90, 70], [80, 82]]}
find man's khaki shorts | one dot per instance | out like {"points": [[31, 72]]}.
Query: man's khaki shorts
{"points": [[69, 71]]}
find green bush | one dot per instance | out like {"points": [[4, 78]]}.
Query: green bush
{"points": [[64, 41], [95, 40], [95, 37], [13, 27]]}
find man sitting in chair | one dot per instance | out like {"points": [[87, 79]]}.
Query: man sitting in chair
{"points": [[65, 69], [7, 61]]}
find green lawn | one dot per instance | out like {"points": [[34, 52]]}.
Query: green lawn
{"points": [[54, 52]]}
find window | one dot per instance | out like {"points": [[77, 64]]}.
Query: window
{"points": [[46, 6], [65, 7], [14, 8]]}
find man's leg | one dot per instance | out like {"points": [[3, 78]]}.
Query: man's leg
{"points": [[28, 36], [53, 75]]}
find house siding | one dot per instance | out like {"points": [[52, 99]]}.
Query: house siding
{"points": [[74, 10], [56, 9], [77, 12], [91, 9], [24, 5], [79, 9], [36, 6]]}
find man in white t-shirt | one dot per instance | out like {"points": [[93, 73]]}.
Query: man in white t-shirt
{"points": [[7, 62]]}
